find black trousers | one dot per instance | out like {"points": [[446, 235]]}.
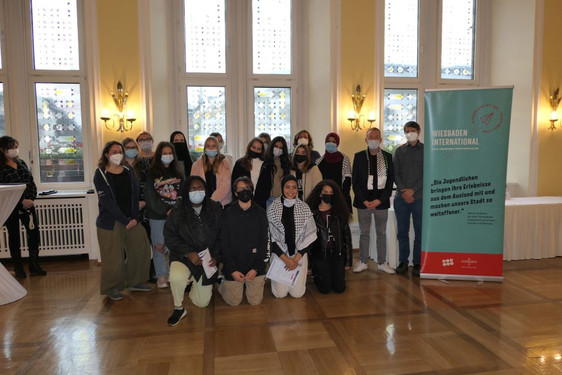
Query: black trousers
{"points": [[13, 226], [329, 274]]}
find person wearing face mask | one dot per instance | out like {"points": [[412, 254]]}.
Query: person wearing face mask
{"points": [[179, 141], [278, 164], [292, 232], [214, 168], [162, 193], [244, 240], [192, 227], [266, 139], [124, 246], [222, 148], [331, 253], [13, 170], [253, 166], [307, 173], [303, 138], [372, 178], [408, 174], [336, 166]]}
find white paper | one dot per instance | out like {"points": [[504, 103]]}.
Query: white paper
{"points": [[205, 256], [277, 272]]}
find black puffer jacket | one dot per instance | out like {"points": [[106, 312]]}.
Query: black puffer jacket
{"points": [[187, 232], [342, 236]]}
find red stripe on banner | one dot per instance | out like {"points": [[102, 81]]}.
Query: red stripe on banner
{"points": [[462, 264]]}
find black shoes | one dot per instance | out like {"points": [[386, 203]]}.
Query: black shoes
{"points": [[416, 270], [402, 268], [176, 316], [35, 269], [20, 272]]}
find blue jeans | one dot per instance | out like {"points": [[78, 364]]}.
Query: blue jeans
{"points": [[403, 212], [157, 237]]}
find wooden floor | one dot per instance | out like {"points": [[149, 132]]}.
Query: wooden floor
{"points": [[382, 324]]}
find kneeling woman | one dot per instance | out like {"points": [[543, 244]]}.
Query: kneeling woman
{"points": [[292, 232], [330, 254], [193, 226]]}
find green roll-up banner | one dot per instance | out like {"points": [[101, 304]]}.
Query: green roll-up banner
{"points": [[465, 161]]}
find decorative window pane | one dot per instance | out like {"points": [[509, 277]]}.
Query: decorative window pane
{"points": [[401, 38], [400, 106], [457, 39], [2, 114], [271, 36], [205, 36], [272, 111], [55, 35], [206, 114], [59, 131]]}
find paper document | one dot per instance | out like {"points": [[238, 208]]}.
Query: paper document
{"points": [[205, 256], [277, 272]]}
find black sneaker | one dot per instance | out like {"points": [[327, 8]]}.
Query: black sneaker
{"points": [[176, 316], [416, 270], [402, 268]]}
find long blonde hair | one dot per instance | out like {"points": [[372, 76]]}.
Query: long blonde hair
{"points": [[218, 159]]}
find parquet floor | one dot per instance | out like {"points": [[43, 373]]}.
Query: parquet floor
{"points": [[382, 324]]}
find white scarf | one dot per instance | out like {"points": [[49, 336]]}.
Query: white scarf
{"points": [[305, 227]]}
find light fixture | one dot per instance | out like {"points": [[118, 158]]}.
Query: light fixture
{"points": [[120, 99], [355, 118], [554, 102]]}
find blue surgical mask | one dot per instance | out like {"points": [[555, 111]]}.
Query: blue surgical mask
{"points": [[167, 159], [331, 147], [211, 153], [197, 196], [131, 153]]}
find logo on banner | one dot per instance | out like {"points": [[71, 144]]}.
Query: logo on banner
{"points": [[487, 118], [448, 262]]}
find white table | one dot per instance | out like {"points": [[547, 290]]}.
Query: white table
{"points": [[10, 289], [533, 228]]}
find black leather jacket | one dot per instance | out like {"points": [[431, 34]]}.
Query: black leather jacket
{"points": [[342, 235]]}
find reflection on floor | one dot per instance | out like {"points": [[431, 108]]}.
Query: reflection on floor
{"points": [[382, 324]]}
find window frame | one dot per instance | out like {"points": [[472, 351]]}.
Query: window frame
{"points": [[429, 55], [79, 76], [239, 79]]}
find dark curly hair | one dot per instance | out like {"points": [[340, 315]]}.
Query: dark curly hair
{"points": [[339, 206]]}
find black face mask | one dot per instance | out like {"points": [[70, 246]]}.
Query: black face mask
{"points": [[327, 198], [181, 150], [244, 195], [253, 154], [300, 158]]}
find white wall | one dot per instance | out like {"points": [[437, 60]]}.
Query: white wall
{"points": [[511, 57]]}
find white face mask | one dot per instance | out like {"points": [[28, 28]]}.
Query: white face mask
{"points": [[412, 136], [289, 202], [13, 153], [196, 196], [302, 141], [373, 144], [167, 159], [116, 159], [277, 152]]}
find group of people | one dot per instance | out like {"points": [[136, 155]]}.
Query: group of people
{"points": [[211, 220]]}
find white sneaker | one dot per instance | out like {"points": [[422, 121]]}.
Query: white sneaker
{"points": [[386, 268], [162, 282], [360, 267]]}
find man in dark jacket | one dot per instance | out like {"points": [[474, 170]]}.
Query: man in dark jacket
{"points": [[372, 179], [244, 239]]}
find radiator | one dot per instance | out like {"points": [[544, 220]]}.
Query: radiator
{"points": [[64, 227]]}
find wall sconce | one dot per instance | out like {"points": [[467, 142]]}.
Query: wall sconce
{"points": [[356, 119], [120, 100], [554, 102]]}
